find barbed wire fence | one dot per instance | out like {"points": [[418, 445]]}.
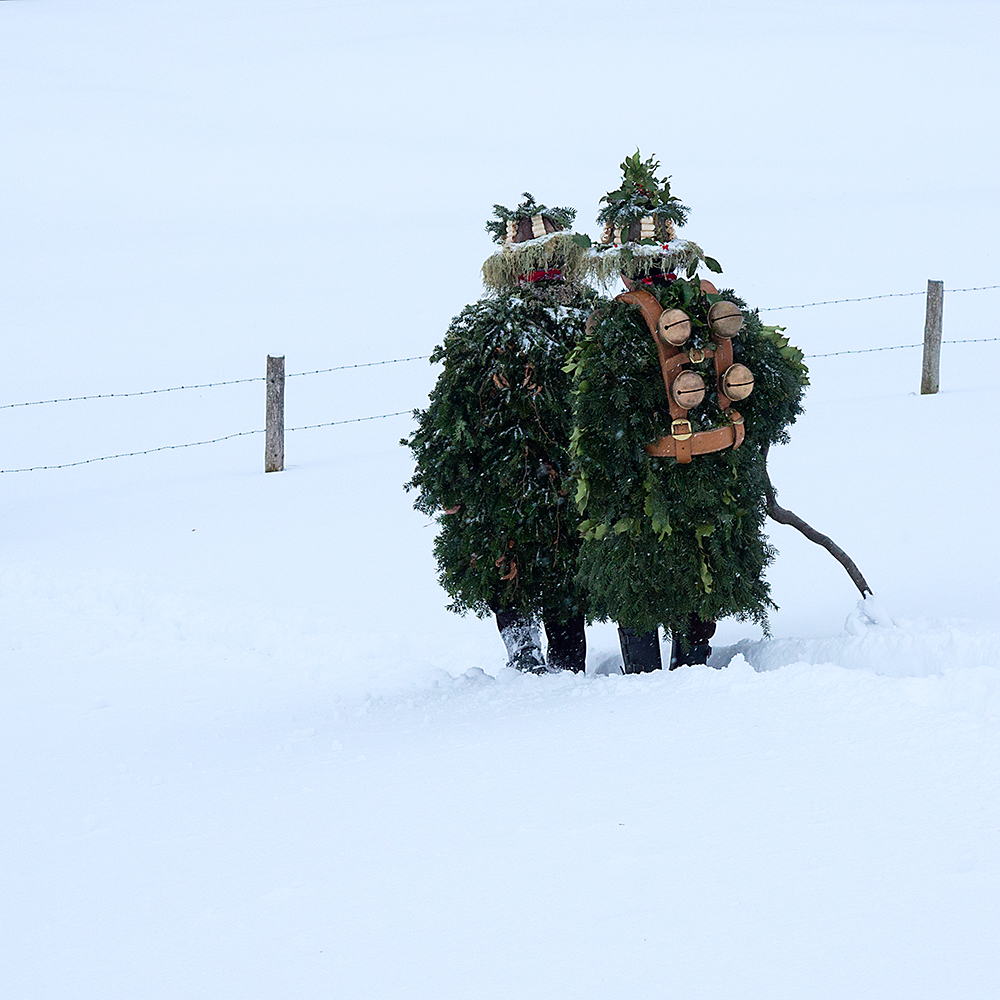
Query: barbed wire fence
{"points": [[424, 357]]}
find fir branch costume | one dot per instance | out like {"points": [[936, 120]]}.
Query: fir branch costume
{"points": [[666, 541], [491, 448]]}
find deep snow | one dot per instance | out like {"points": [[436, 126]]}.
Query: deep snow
{"points": [[246, 752]]}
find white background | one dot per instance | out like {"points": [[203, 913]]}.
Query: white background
{"points": [[245, 751]]}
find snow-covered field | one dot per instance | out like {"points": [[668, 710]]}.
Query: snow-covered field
{"points": [[245, 751]]}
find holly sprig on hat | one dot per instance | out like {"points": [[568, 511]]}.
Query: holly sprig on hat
{"points": [[641, 194], [562, 217]]}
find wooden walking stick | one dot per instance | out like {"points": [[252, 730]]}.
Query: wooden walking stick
{"points": [[783, 516]]}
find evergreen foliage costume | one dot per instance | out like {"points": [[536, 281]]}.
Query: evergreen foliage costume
{"points": [[491, 448], [671, 482]]}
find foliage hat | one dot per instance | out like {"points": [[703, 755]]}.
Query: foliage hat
{"points": [[639, 218], [536, 243], [642, 208]]}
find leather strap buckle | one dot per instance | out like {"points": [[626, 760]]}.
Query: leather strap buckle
{"points": [[678, 433]]}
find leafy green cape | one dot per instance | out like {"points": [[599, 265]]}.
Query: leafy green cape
{"points": [[493, 442], [661, 539]]}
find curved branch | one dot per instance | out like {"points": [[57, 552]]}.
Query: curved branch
{"points": [[783, 516]]}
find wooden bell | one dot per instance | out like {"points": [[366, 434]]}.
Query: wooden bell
{"points": [[674, 326], [737, 382], [688, 389], [724, 319]]}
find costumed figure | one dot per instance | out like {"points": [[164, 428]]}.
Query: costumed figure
{"points": [[679, 391], [491, 448]]}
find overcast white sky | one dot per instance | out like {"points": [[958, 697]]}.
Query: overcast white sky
{"points": [[231, 178]]}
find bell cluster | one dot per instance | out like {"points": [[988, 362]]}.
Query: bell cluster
{"points": [[724, 321]]}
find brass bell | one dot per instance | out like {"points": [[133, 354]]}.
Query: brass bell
{"points": [[674, 326], [724, 319], [737, 382], [688, 389]]}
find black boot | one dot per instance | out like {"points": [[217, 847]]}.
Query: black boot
{"points": [[567, 643], [640, 650], [693, 647], [523, 642]]}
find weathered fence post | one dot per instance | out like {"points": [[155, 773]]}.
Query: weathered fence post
{"points": [[274, 436], [930, 378]]}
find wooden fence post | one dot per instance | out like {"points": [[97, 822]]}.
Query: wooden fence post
{"points": [[930, 378], [274, 436]]}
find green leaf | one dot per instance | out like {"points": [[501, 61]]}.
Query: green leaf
{"points": [[706, 576], [582, 240], [661, 529], [713, 265]]}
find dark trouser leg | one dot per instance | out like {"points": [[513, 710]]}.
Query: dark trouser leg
{"points": [[520, 636], [640, 650], [692, 647], [567, 643]]}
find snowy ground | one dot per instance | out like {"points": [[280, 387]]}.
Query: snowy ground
{"points": [[246, 753]]}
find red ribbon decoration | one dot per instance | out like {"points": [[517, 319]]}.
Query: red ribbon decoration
{"points": [[551, 275], [652, 279]]}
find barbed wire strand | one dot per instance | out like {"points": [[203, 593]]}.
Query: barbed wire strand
{"points": [[353, 420], [122, 395], [370, 364], [863, 350], [195, 444], [837, 302], [900, 347], [205, 385], [872, 298]]}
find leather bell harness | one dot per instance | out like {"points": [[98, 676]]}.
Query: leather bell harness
{"points": [[682, 442]]}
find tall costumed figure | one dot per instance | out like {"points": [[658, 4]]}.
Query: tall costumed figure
{"points": [[679, 392], [491, 448]]}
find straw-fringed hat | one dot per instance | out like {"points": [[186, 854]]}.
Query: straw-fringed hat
{"points": [[536, 244]]}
